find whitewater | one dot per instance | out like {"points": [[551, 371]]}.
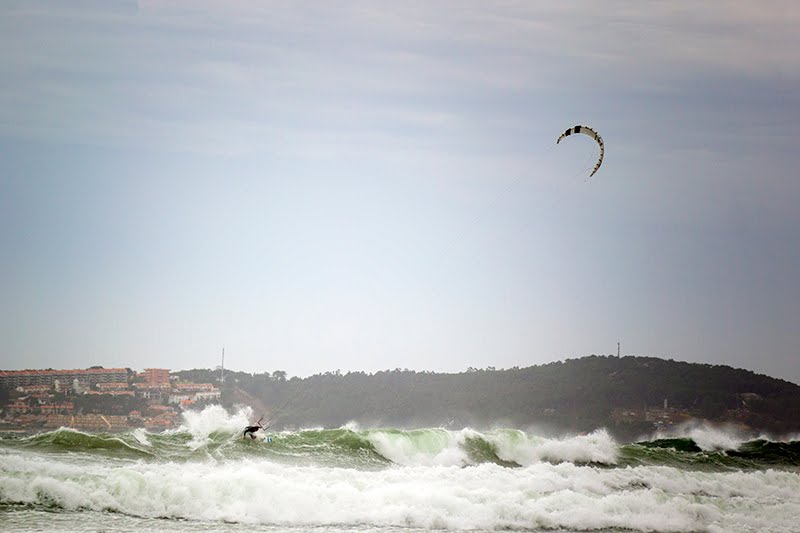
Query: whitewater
{"points": [[204, 476]]}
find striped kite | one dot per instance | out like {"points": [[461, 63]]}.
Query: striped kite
{"points": [[586, 130]]}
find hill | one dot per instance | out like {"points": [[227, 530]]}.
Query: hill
{"points": [[628, 395]]}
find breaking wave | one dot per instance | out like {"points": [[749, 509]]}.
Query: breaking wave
{"points": [[691, 479], [216, 434]]}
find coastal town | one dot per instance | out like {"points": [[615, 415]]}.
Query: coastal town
{"points": [[98, 399]]}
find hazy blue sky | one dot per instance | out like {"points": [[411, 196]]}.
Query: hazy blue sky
{"points": [[372, 185]]}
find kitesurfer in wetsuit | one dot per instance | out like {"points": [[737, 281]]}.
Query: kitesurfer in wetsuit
{"points": [[251, 430]]}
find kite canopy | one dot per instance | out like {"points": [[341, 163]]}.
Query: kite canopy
{"points": [[586, 130]]}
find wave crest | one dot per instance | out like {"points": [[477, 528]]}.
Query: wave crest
{"points": [[216, 433]]}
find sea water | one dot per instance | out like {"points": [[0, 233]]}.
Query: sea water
{"points": [[205, 477]]}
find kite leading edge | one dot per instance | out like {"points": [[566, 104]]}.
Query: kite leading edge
{"points": [[586, 130]]}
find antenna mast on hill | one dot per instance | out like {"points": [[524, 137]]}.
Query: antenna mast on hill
{"points": [[617, 348], [222, 368]]}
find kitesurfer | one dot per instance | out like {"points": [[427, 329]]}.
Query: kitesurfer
{"points": [[251, 430]]}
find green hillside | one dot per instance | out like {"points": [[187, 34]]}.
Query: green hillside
{"points": [[627, 395]]}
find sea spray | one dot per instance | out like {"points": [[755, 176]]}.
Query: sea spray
{"points": [[706, 436], [213, 419], [140, 434]]}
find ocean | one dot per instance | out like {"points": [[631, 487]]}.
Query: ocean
{"points": [[204, 477]]}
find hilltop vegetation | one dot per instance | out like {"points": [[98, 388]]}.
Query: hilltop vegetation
{"points": [[625, 394]]}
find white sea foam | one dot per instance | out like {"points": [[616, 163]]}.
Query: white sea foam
{"points": [[523, 449], [485, 497]]}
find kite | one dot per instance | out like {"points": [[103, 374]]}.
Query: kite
{"points": [[586, 130]]}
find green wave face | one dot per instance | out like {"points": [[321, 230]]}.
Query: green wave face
{"points": [[67, 440], [686, 453], [375, 449], [343, 447]]}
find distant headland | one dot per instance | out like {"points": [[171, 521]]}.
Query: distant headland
{"points": [[630, 396]]}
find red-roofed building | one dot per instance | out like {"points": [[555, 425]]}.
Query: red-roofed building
{"points": [[11, 379], [157, 376]]}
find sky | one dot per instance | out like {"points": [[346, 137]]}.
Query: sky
{"points": [[347, 185]]}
